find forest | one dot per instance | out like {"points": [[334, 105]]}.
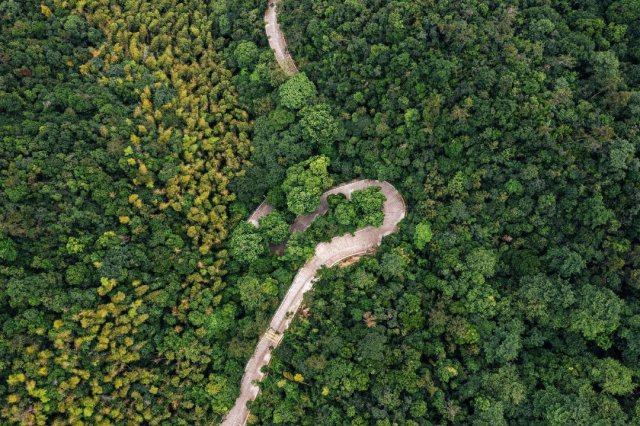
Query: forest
{"points": [[137, 137]]}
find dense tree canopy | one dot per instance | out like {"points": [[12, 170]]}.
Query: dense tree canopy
{"points": [[297, 92], [305, 183], [511, 128], [116, 149], [136, 136]]}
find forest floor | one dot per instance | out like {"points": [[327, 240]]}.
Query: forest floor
{"points": [[276, 39], [326, 254]]}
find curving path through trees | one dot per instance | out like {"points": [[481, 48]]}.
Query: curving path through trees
{"points": [[276, 39], [326, 254]]}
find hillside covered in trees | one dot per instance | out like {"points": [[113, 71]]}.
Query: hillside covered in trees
{"points": [[137, 136], [120, 132]]}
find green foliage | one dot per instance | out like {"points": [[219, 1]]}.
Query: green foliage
{"points": [[246, 54], [598, 314], [422, 235], [511, 131], [305, 183], [364, 208], [246, 244], [482, 261], [346, 213], [274, 228], [616, 379], [120, 132], [297, 92], [7, 249], [624, 11], [368, 204], [257, 293], [298, 250], [319, 127]]}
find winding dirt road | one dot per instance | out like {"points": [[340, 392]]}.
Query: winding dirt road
{"points": [[326, 254], [276, 39]]}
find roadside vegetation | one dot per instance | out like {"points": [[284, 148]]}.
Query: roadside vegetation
{"points": [[137, 136], [511, 294]]}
